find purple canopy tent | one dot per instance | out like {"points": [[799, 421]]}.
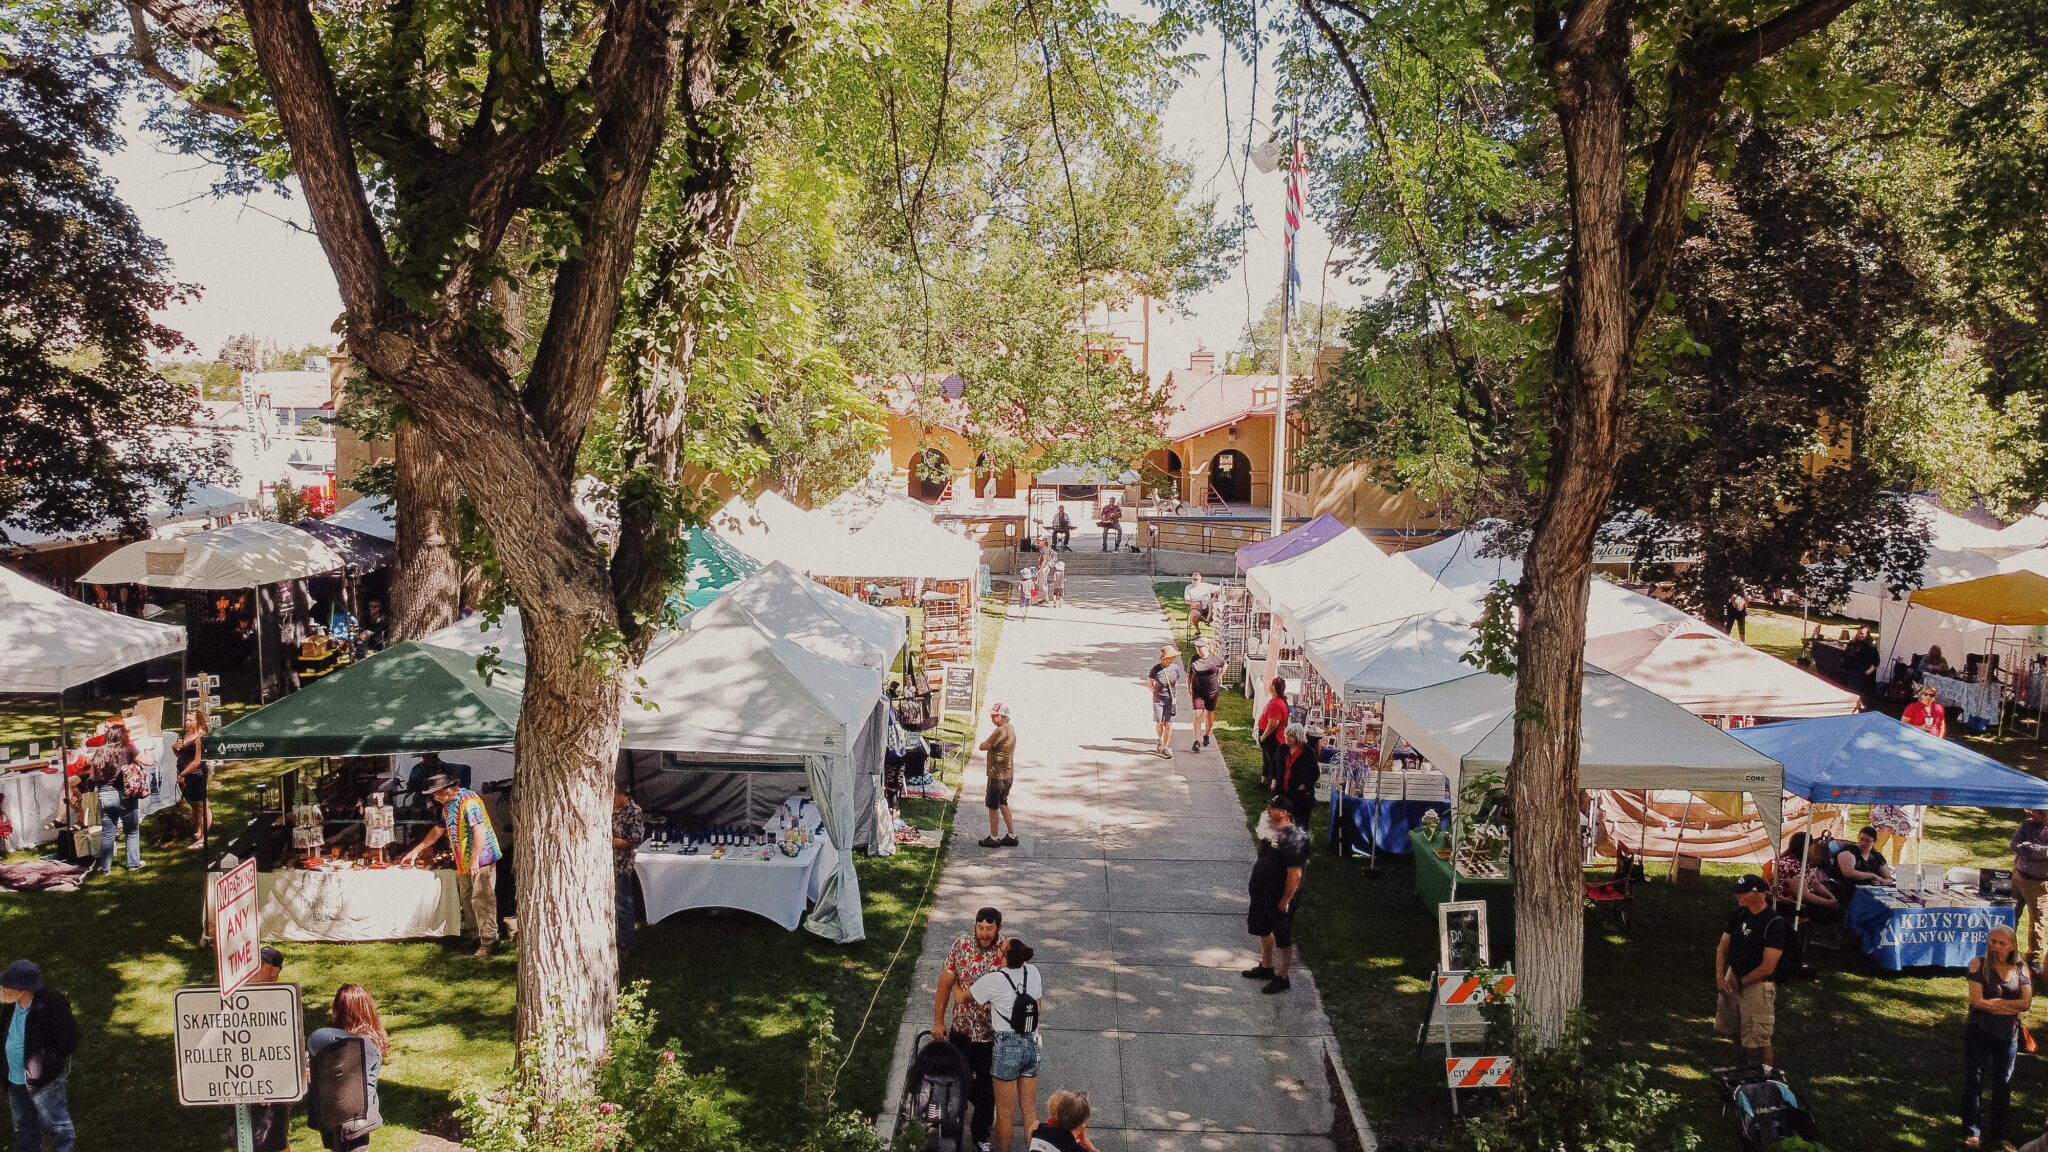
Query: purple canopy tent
{"points": [[1292, 542]]}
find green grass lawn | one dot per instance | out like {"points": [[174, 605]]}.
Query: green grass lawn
{"points": [[722, 983], [1878, 1055]]}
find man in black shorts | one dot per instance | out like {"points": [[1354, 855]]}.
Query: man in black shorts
{"points": [[1165, 678], [1275, 886], [1205, 688], [1001, 746]]}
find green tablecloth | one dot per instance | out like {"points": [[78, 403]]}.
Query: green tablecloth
{"points": [[1433, 886]]}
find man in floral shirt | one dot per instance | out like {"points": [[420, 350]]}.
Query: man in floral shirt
{"points": [[971, 958]]}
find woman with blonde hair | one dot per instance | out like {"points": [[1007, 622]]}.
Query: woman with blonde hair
{"points": [[2001, 991], [1066, 1124]]}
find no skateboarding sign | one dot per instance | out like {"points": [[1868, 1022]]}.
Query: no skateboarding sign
{"points": [[247, 1047]]}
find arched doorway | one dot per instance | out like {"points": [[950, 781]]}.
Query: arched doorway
{"points": [[1006, 480], [929, 476], [1165, 465], [1230, 476]]}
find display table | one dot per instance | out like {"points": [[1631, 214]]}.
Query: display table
{"points": [[780, 887], [1356, 821], [1899, 934], [356, 905], [1433, 877], [33, 797], [1978, 700]]}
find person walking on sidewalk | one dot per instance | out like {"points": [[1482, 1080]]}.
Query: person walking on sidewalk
{"points": [[1165, 678], [1275, 886], [1205, 689], [1001, 746], [972, 1030], [468, 828], [41, 1034]]}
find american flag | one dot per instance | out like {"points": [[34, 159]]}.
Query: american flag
{"points": [[1295, 209]]}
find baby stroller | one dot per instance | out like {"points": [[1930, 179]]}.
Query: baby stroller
{"points": [[1764, 1107], [936, 1094]]}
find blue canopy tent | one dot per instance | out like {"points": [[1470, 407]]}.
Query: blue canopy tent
{"points": [[1871, 758]]}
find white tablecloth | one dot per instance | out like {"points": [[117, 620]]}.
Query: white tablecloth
{"points": [[779, 888], [1976, 700], [366, 904], [33, 799]]}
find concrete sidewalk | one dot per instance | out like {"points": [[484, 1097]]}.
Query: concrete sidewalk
{"points": [[1129, 882]]}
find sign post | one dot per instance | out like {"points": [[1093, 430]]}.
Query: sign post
{"points": [[239, 1043]]}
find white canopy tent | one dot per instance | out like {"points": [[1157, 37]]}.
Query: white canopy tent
{"points": [[202, 501], [770, 670], [1656, 645], [50, 642], [1709, 673], [772, 528], [1630, 738], [245, 555], [902, 544], [1346, 586], [1957, 550], [2025, 534], [1398, 656]]}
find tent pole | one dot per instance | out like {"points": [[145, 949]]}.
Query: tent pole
{"points": [[262, 695], [1372, 865], [1799, 905], [1680, 842]]}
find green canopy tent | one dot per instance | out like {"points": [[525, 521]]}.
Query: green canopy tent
{"points": [[409, 698]]}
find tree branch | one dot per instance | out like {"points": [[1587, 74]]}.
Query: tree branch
{"points": [[1696, 88], [634, 77], [289, 53], [192, 26], [154, 67]]}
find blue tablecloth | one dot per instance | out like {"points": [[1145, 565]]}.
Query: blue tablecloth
{"points": [[1357, 821], [1900, 935]]}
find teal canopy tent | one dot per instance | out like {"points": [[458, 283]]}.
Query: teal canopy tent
{"points": [[714, 567], [409, 698]]}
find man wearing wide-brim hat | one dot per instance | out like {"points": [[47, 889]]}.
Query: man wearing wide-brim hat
{"points": [[37, 1037], [468, 828]]}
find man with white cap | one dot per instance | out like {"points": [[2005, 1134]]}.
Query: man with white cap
{"points": [[1165, 678], [1001, 746]]}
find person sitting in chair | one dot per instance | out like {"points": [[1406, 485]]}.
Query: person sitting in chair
{"points": [[1809, 862], [1062, 530], [1861, 863]]}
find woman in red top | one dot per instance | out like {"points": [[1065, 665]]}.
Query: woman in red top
{"points": [[1927, 715], [1271, 730]]}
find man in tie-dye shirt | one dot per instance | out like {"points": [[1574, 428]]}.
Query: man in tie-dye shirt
{"points": [[468, 828]]}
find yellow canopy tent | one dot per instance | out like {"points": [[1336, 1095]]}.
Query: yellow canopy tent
{"points": [[2015, 599]]}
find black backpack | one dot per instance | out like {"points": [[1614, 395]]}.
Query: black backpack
{"points": [[936, 1094], [1023, 1015]]}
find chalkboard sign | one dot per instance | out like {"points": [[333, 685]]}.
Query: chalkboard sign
{"points": [[959, 691]]}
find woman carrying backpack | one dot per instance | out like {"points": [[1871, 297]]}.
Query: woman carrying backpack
{"points": [[1015, 995], [122, 783]]}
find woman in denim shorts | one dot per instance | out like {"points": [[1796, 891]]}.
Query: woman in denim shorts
{"points": [[1015, 995]]}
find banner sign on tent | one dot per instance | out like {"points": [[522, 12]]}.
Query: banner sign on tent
{"points": [[959, 691]]}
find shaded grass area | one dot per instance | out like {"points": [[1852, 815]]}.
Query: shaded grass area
{"points": [[724, 984], [1878, 1055]]}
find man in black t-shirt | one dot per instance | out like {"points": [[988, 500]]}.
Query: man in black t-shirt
{"points": [[1205, 688], [1275, 889], [1746, 970]]}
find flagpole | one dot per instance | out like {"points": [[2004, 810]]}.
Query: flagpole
{"points": [[1277, 495]]}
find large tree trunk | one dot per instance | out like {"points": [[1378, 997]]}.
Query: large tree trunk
{"points": [[561, 857], [1591, 384], [426, 579]]}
